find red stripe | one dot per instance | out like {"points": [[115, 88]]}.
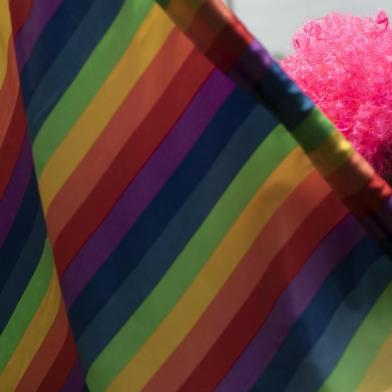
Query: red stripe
{"points": [[371, 199], [219, 34], [55, 358], [9, 91], [20, 11], [131, 159], [227, 49], [61, 368], [255, 311], [306, 197], [141, 99], [10, 148], [46, 354]]}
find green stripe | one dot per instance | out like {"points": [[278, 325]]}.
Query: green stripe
{"points": [[89, 80], [313, 131], [27, 307], [364, 347], [188, 264]]}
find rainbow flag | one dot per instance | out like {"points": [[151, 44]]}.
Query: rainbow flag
{"points": [[175, 215]]}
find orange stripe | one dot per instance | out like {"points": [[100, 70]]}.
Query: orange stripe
{"points": [[250, 271], [8, 93], [120, 129], [147, 138], [46, 355]]}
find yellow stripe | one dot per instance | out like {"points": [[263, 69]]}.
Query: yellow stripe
{"points": [[33, 337], [332, 154], [214, 274], [144, 47], [379, 376], [183, 12], [5, 34]]}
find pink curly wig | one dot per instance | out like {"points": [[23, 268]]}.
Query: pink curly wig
{"points": [[344, 63]]}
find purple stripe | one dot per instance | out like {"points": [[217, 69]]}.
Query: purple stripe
{"points": [[146, 185], [75, 381], [252, 65], [12, 199], [291, 305], [26, 38]]}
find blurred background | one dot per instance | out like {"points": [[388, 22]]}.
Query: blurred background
{"points": [[275, 21]]}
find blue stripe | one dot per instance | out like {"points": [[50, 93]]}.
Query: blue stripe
{"points": [[320, 362], [20, 232], [278, 92], [153, 222], [148, 272], [308, 329], [64, 46], [23, 270]]}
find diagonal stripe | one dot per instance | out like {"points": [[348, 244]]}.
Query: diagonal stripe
{"points": [[208, 281], [186, 9], [22, 269], [151, 79], [13, 197], [167, 205], [20, 11], [240, 284], [190, 209], [304, 132], [146, 185], [110, 186], [25, 39], [9, 92], [279, 274], [372, 198], [14, 244], [91, 78], [291, 304], [364, 346], [318, 364], [12, 144], [352, 176], [62, 366], [5, 34], [26, 309], [177, 234], [365, 194], [317, 316], [33, 336], [46, 354], [75, 381], [51, 43], [42, 87], [336, 146], [379, 377]]}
